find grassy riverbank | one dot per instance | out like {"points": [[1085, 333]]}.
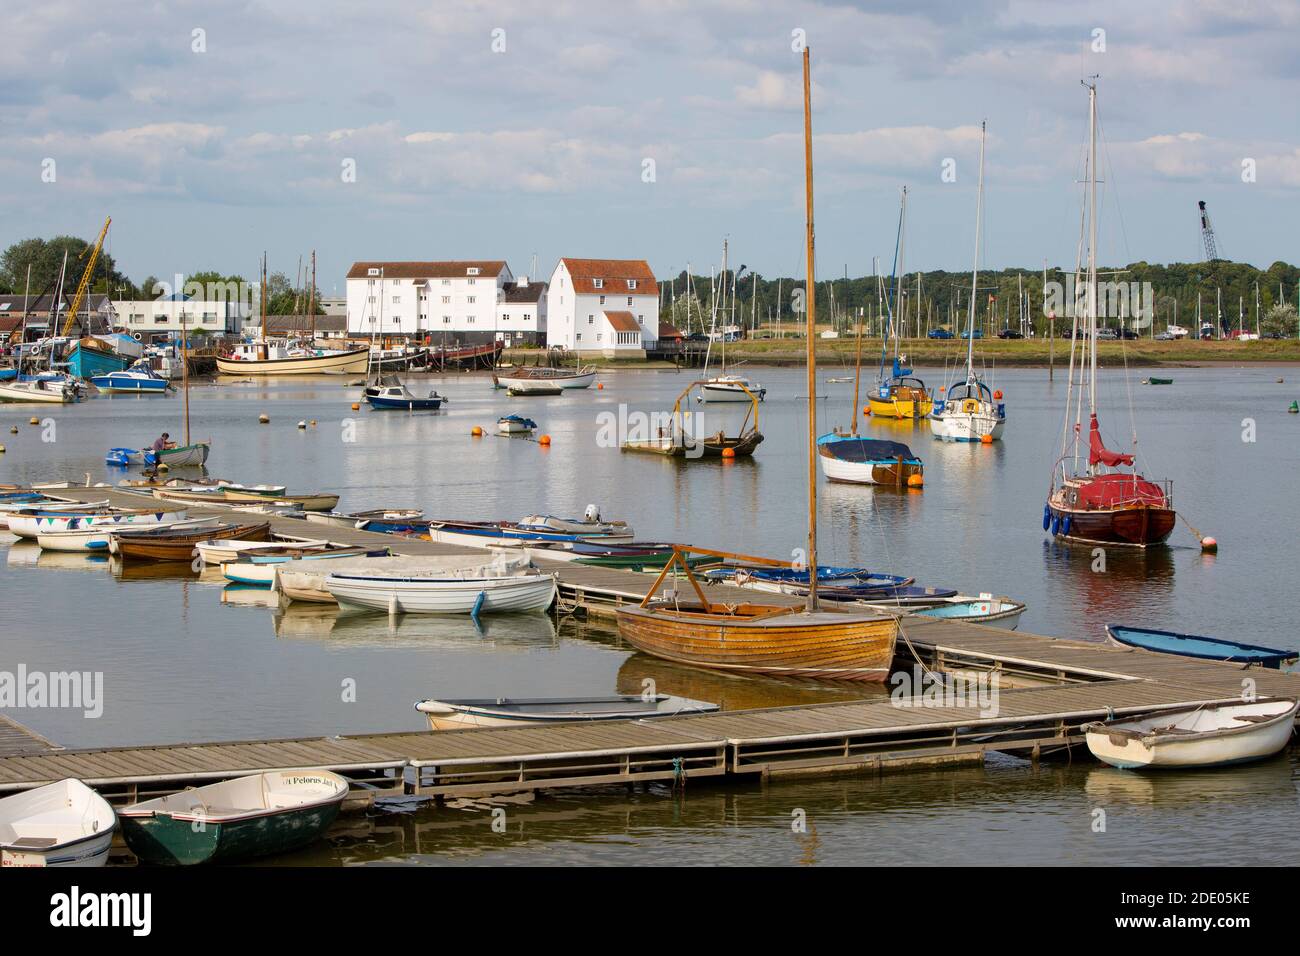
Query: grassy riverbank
{"points": [[1031, 352]]}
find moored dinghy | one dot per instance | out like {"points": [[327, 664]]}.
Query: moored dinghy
{"points": [[62, 824], [500, 587], [1212, 735], [248, 817], [504, 712], [516, 425], [1195, 645]]}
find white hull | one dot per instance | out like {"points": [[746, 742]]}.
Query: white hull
{"points": [[564, 382], [513, 428], [533, 592], [62, 824], [488, 541], [29, 526], [1213, 736], [219, 550], [725, 390], [301, 580], [952, 425], [27, 392], [341, 362], [97, 539], [855, 472]]}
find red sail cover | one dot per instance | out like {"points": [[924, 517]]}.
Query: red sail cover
{"points": [[1113, 491], [1099, 454]]}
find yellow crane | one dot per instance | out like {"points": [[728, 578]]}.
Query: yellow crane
{"points": [[84, 284]]}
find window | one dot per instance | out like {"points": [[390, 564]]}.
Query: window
{"points": [[469, 299], [446, 300], [372, 272], [397, 300], [602, 300], [598, 337], [641, 319], [446, 320], [527, 317], [631, 283], [446, 282], [372, 300], [471, 271], [371, 281], [470, 320], [629, 300], [505, 316], [470, 281], [424, 297], [598, 283], [591, 320], [579, 336]]}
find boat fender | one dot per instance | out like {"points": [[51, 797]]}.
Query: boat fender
{"points": [[1065, 524], [1056, 524], [478, 605], [1047, 517]]}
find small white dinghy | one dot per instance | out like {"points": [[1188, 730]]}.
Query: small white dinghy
{"points": [[63, 824], [1213, 735], [492, 588], [505, 712]]}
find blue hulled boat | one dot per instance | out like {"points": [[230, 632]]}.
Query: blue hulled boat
{"points": [[90, 357], [138, 379], [1195, 645]]}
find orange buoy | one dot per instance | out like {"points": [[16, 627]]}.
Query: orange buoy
{"points": [[998, 395], [599, 386], [544, 440], [986, 439], [1209, 545], [943, 388], [34, 421], [476, 432], [728, 453], [915, 481], [356, 406], [866, 410]]}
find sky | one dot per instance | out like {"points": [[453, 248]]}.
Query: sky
{"points": [[464, 129]]}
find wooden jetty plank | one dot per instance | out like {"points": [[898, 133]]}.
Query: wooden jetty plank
{"points": [[16, 738]]}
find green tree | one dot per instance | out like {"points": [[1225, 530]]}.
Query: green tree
{"points": [[1280, 320], [46, 257]]}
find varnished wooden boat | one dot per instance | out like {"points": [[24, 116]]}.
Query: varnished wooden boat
{"points": [[179, 545], [315, 501], [674, 442]]}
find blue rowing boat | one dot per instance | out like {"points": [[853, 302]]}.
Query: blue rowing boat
{"points": [[1195, 645]]}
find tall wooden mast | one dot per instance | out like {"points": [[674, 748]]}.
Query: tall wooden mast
{"points": [[811, 337]]}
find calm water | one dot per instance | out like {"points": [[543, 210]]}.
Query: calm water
{"points": [[185, 659]]}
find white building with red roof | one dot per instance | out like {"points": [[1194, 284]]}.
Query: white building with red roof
{"points": [[609, 306]]}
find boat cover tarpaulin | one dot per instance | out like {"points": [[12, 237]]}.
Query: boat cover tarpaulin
{"points": [[1111, 491], [865, 449], [1098, 453]]}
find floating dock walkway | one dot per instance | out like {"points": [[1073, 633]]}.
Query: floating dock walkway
{"points": [[1047, 688]]}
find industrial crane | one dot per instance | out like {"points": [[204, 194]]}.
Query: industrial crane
{"points": [[1207, 233], [86, 276]]}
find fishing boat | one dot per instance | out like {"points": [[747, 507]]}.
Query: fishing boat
{"points": [[1091, 498], [90, 357], [754, 638], [258, 815], [676, 440], [1210, 735], [258, 568], [900, 394], [508, 712], [1196, 645], [177, 544], [487, 589], [516, 425], [268, 357], [394, 394], [43, 391], [522, 376], [723, 387], [60, 824], [355, 519], [970, 411], [303, 580], [139, 379]]}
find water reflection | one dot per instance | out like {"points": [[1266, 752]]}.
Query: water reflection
{"points": [[1109, 585]]}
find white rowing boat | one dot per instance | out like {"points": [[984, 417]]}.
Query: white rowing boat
{"points": [[302, 580], [1213, 735], [492, 588], [32, 526], [223, 550], [504, 712], [62, 824]]}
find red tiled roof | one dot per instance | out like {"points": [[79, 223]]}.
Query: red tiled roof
{"points": [[669, 331], [615, 273], [428, 270], [623, 321]]}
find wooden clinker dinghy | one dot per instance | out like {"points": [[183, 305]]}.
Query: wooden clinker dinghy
{"points": [[504, 712], [248, 817], [62, 824], [172, 544], [1213, 735]]}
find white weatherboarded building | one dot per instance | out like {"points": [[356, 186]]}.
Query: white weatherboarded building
{"points": [[610, 306], [451, 302]]}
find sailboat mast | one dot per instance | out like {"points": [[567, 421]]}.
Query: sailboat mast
{"points": [[811, 338], [185, 376], [311, 298], [975, 271], [857, 378], [264, 297], [1092, 248]]}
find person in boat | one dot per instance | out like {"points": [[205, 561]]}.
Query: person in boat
{"points": [[162, 443]]}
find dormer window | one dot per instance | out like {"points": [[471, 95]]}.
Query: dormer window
{"points": [[472, 271], [631, 283], [598, 283]]}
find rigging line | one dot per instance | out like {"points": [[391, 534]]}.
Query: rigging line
{"points": [[1113, 188]]}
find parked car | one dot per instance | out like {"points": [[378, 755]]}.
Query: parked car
{"points": [[1166, 337], [939, 334], [1107, 335], [1129, 334], [697, 337], [979, 334], [1010, 334]]}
